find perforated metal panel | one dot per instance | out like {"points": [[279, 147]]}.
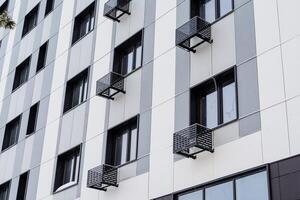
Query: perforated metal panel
{"points": [[195, 136], [109, 85], [102, 177], [114, 9], [196, 27]]}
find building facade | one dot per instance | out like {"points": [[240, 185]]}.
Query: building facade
{"points": [[150, 99]]}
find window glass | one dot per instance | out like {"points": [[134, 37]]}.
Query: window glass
{"points": [[33, 114], [229, 102], [207, 10], [21, 73], [252, 187], [11, 133], [220, 192], [198, 195], [133, 146], [211, 110], [4, 191], [22, 187], [49, 6], [138, 57], [42, 57], [225, 7], [30, 20]]}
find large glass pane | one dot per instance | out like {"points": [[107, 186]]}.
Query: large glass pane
{"points": [[124, 148], [207, 10], [75, 94], [229, 103], [67, 171], [212, 110], [225, 7], [198, 195], [220, 192], [133, 146], [252, 187], [118, 150], [129, 62], [138, 57]]}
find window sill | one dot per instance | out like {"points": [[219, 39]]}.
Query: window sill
{"points": [[78, 40], [18, 87], [65, 187], [28, 32], [8, 148], [225, 124], [73, 108]]}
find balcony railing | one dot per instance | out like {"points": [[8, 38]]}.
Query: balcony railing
{"points": [[197, 29], [114, 9], [193, 140], [102, 177], [110, 85]]}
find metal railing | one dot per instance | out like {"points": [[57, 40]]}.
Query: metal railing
{"points": [[109, 85], [114, 9]]}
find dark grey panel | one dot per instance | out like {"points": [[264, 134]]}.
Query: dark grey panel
{"points": [[33, 183], [250, 124], [144, 134], [143, 165], [248, 91], [18, 159], [182, 111], [245, 33], [150, 11], [239, 3]]}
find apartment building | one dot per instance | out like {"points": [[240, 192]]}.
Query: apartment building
{"points": [[150, 100]]}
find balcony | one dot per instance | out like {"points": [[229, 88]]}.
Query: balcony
{"points": [[193, 33], [115, 9], [110, 85], [102, 177], [193, 140]]}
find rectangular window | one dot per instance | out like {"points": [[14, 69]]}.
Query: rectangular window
{"points": [[84, 23], [22, 187], [11, 133], [128, 56], [210, 10], [33, 115], [21, 73], [221, 192], [122, 143], [215, 101], [31, 20], [42, 57], [76, 91], [4, 6], [4, 191], [49, 6], [67, 169], [197, 195]]}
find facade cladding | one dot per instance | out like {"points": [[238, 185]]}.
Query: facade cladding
{"points": [[150, 99]]}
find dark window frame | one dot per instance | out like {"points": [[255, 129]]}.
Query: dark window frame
{"points": [[7, 186], [49, 7], [133, 43], [111, 141], [68, 101], [22, 189], [34, 108], [89, 12], [60, 162], [6, 143], [195, 9], [207, 87], [34, 12], [4, 6], [17, 83], [42, 56]]}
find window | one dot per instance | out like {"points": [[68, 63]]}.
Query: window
{"points": [[49, 6], [4, 191], [67, 169], [31, 20], [33, 115], [215, 101], [11, 133], [210, 10], [122, 143], [22, 187], [243, 187], [128, 56], [42, 57], [21, 74], [76, 91], [4, 6], [252, 187], [84, 23]]}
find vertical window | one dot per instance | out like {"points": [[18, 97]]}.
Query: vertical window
{"points": [[4, 191], [214, 102], [220, 192], [84, 23], [49, 6], [31, 20], [67, 169], [42, 57], [33, 115], [252, 187], [122, 143], [11, 133], [76, 91], [22, 187], [128, 56], [197, 195], [22, 73], [210, 10]]}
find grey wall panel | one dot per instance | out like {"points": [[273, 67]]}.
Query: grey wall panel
{"points": [[248, 91], [143, 165], [33, 183], [182, 111], [37, 148], [150, 10], [13, 188], [250, 124], [245, 33], [144, 134], [239, 3], [19, 159], [146, 87]]}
